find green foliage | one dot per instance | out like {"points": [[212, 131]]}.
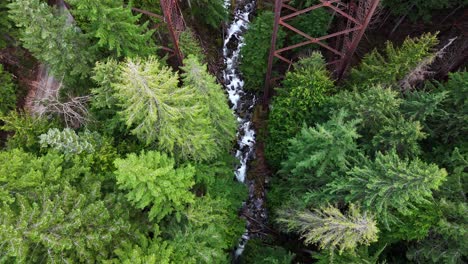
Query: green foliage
{"points": [[66, 141], [213, 103], [112, 26], [401, 135], [7, 92], [448, 122], [45, 32], [189, 45], [25, 128], [392, 67], [66, 226], [389, 185], [256, 49], [152, 181], [210, 12], [146, 251], [330, 228], [316, 154], [8, 31], [259, 251], [305, 89], [359, 256], [420, 9], [321, 19], [155, 108], [448, 240]]}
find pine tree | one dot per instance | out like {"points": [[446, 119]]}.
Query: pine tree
{"points": [[211, 12], [305, 89], [57, 227], [330, 228], [45, 32], [212, 98], [151, 181], [389, 186], [112, 26], [315, 155], [392, 67], [256, 49], [401, 135]]}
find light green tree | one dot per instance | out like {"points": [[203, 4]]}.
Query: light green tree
{"points": [[152, 181], [389, 185], [112, 26], [394, 65], [330, 228], [213, 100]]}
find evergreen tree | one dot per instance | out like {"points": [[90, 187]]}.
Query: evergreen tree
{"points": [[212, 98], [8, 31], [256, 49], [420, 9], [359, 256], [389, 186], [151, 181], [316, 155], [157, 109], [7, 92], [330, 228], [392, 67], [66, 141], [47, 34], [211, 12], [401, 135], [112, 26], [305, 89]]}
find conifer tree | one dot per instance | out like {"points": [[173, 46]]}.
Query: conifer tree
{"points": [[45, 32], [113, 27], [211, 12], [152, 181], [57, 227], [389, 186], [389, 68], [66, 141], [305, 89], [212, 98], [317, 154], [330, 228]]}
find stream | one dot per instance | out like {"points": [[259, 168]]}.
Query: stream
{"points": [[243, 105]]}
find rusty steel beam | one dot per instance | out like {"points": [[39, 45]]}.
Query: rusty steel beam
{"points": [[343, 51], [173, 19]]}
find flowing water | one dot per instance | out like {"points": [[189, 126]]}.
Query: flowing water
{"points": [[243, 104]]}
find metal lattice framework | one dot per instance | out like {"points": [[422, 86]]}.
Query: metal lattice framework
{"points": [[172, 17], [356, 15]]}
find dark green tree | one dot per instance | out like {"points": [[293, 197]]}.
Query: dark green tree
{"points": [[52, 39], [420, 9], [305, 89], [389, 186], [210, 12], [7, 92], [256, 49], [111, 26]]}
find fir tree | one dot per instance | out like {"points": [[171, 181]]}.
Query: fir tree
{"points": [[45, 32], [392, 67], [211, 12], [212, 98], [66, 141], [317, 154], [151, 181], [112, 26], [389, 185], [305, 89], [330, 228]]}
